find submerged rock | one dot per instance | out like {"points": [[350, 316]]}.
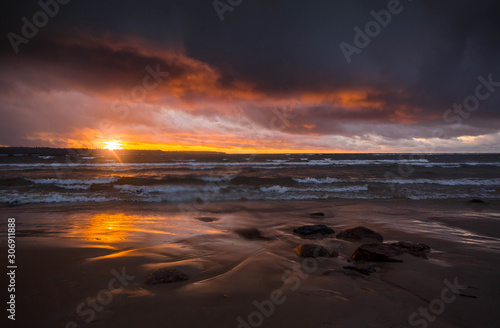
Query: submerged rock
{"points": [[207, 219], [314, 229], [415, 249], [165, 276], [317, 214], [477, 201], [377, 252], [311, 250], [250, 234], [359, 233], [365, 271]]}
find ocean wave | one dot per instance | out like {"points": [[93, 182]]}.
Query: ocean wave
{"points": [[167, 189], [281, 189], [453, 182], [257, 181], [264, 165], [274, 189], [52, 198], [68, 182], [318, 181], [338, 189], [320, 162]]}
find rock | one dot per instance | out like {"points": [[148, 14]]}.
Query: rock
{"points": [[13, 203], [207, 219], [477, 201], [314, 229], [165, 276], [250, 234], [359, 233], [311, 250], [377, 252], [317, 214], [415, 249]]}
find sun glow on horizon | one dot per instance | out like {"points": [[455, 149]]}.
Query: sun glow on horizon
{"points": [[113, 145]]}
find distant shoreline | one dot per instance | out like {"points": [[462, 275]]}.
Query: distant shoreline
{"points": [[49, 151]]}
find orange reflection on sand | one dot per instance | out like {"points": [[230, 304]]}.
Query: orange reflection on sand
{"points": [[109, 228], [104, 228]]}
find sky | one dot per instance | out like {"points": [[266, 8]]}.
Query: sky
{"points": [[247, 76]]}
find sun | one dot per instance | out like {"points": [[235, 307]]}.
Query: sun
{"points": [[112, 145]]}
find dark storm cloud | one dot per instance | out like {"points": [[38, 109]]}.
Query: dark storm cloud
{"points": [[428, 58]]}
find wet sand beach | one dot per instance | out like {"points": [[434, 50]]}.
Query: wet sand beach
{"points": [[84, 265]]}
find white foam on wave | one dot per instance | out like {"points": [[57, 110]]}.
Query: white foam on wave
{"points": [[281, 189], [69, 182], [338, 189], [320, 162], [274, 189], [318, 181], [216, 178], [452, 182], [52, 198], [146, 190]]}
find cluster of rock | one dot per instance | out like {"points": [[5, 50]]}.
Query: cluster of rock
{"points": [[312, 250], [376, 251], [308, 230]]}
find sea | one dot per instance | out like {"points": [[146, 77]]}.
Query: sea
{"points": [[186, 177]]}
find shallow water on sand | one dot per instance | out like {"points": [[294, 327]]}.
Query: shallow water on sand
{"points": [[68, 253]]}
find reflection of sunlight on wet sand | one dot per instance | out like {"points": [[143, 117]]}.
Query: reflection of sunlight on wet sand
{"points": [[104, 229]]}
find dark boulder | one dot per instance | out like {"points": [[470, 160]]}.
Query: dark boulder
{"points": [[317, 215], [477, 201], [250, 234], [314, 229], [359, 233], [165, 276], [311, 250], [415, 249], [377, 252]]}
